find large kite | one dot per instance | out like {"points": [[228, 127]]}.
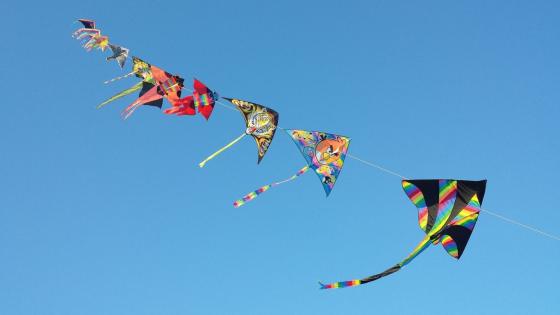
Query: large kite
{"points": [[260, 123], [323, 152], [447, 212]]}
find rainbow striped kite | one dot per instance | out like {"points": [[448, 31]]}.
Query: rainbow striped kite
{"points": [[447, 212]]}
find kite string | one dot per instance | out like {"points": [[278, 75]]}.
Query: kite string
{"points": [[528, 227], [499, 216], [376, 166]]}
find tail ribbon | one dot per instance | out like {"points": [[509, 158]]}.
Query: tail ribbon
{"points": [[254, 194], [425, 243], [201, 164]]}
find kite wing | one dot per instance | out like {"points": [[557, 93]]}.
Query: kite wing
{"points": [[169, 85], [447, 208], [457, 231], [184, 106], [87, 23], [324, 153], [119, 54], [150, 97], [448, 211], [204, 99], [149, 87], [261, 123]]}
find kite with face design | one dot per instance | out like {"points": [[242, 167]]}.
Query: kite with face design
{"points": [[323, 152], [260, 123]]}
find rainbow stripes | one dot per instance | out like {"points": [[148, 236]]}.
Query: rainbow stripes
{"points": [[341, 284], [447, 196], [254, 194], [201, 100], [450, 246], [416, 196], [468, 216], [250, 196]]}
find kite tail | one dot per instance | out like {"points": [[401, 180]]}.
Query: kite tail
{"points": [[118, 78], [425, 243], [201, 164], [130, 109], [126, 92], [254, 194]]}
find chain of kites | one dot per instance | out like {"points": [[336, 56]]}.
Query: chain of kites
{"points": [[448, 209]]}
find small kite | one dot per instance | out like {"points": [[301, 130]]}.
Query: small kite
{"points": [[260, 122], [90, 36], [165, 85], [447, 212], [203, 98], [119, 54], [323, 152]]}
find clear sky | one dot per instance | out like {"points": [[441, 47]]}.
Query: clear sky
{"points": [[104, 216]]}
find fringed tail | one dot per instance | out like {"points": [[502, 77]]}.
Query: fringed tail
{"points": [[126, 92], [201, 164], [149, 96], [254, 194]]}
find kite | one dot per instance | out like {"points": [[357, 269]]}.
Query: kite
{"points": [[165, 85], [447, 212], [119, 54], [203, 98], [261, 123], [323, 152], [90, 36], [156, 84]]}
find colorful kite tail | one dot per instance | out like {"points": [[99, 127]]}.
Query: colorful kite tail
{"points": [[201, 164], [126, 92], [130, 109], [254, 194], [425, 243], [341, 284], [119, 78]]}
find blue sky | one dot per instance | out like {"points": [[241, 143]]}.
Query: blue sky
{"points": [[104, 216]]}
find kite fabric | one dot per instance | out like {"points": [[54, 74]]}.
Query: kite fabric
{"points": [[119, 54], [447, 212], [90, 36], [323, 152], [260, 122], [203, 98], [165, 85]]}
